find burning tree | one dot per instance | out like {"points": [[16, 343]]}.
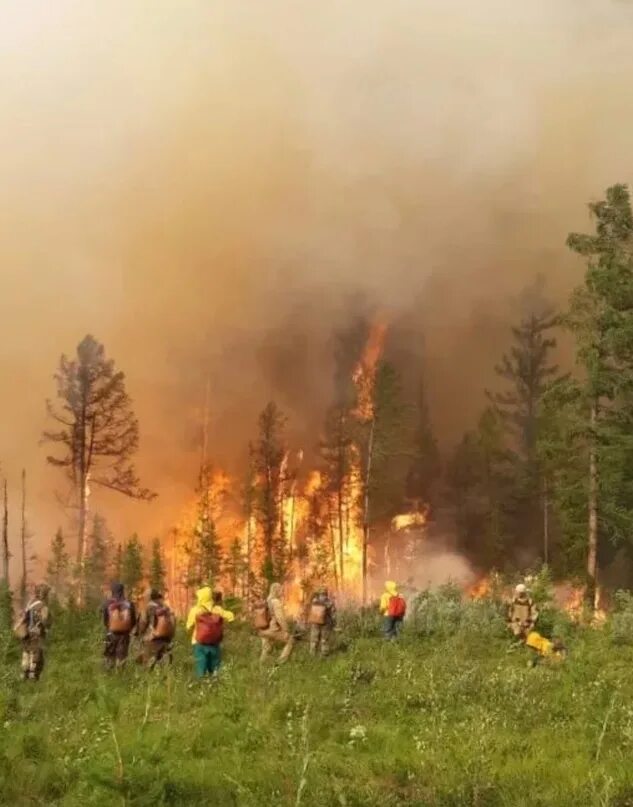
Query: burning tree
{"points": [[98, 433], [207, 553], [268, 455]]}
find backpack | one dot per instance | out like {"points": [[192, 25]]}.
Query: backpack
{"points": [[397, 607], [209, 628], [261, 616], [21, 627], [119, 617], [164, 624], [318, 613]]}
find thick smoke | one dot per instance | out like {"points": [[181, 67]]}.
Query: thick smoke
{"points": [[211, 187]]}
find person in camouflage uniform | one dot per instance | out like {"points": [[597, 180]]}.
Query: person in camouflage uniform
{"points": [[321, 634], [522, 613], [37, 621], [278, 630], [117, 644], [153, 649]]}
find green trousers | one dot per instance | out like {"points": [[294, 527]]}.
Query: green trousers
{"points": [[207, 658]]}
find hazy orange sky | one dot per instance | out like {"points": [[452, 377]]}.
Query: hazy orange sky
{"points": [[210, 187]]}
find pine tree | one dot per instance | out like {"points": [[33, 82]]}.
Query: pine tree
{"points": [[268, 454], [206, 549], [527, 372], [337, 452], [117, 564], [479, 478], [235, 568], [132, 567], [58, 567], [157, 573], [97, 433], [99, 550], [595, 412], [424, 471]]}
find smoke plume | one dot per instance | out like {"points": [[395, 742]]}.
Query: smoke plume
{"points": [[213, 188]]}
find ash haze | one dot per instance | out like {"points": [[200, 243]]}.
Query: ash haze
{"points": [[210, 186]]}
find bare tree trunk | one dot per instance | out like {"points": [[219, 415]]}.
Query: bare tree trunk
{"points": [[370, 451], [592, 549], [5, 537], [23, 583], [82, 547]]}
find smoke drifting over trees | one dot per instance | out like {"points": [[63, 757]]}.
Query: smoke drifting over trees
{"points": [[215, 189]]}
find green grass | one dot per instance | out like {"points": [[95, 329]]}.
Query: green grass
{"points": [[454, 719]]}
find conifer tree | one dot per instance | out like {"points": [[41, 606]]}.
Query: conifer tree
{"points": [[424, 471], [268, 454], [97, 431], [592, 416], [58, 566], [132, 567], [207, 552], [98, 559], [157, 573]]}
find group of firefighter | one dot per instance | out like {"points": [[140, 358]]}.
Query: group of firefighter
{"points": [[155, 626]]}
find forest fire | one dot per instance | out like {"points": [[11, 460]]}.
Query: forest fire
{"points": [[310, 523], [481, 589]]}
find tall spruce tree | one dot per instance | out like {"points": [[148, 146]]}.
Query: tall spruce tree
{"points": [[157, 573], [132, 567], [99, 549], [268, 454], [480, 479], [595, 410], [58, 567], [207, 552], [97, 431], [424, 471], [526, 371]]}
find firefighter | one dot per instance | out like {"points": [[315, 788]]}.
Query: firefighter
{"points": [[156, 628], [32, 629], [322, 621], [522, 613], [278, 630], [119, 620]]}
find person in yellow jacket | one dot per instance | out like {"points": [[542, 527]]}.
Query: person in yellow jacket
{"points": [[545, 648], [392, 608], [206, 619]]}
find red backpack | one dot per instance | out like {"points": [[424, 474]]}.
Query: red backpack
{"points": [[209, 628], [397, 607]]}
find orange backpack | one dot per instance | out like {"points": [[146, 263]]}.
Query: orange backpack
{"points": [[119, 617]]}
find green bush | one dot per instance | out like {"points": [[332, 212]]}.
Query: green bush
{"points": [[445, 612], [622, 619]]}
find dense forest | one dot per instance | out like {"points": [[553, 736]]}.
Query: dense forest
{"points": [[544, 477]]}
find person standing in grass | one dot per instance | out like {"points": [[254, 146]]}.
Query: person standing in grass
{"points": [[278, 631], [206, 619], [32, 629], [393, 608], [119, 619], [322, 620], [522, 613], [156, 629]]}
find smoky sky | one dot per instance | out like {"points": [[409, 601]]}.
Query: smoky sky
{"points": [[213, 189]]}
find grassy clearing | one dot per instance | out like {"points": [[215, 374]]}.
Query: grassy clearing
{"points": [[451, 717]]}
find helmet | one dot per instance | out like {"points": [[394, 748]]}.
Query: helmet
{"points": [[521, 589]]}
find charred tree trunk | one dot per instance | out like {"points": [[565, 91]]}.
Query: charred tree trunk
{"points": [[592, 548], [5, 537], [23, 582], [370, 451]]}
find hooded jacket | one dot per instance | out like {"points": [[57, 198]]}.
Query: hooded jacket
{"points": [[391, 590], [204, 604]]}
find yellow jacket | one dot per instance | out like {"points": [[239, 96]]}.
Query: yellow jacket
{"points": [[204, 604], [391, 590], [542, 645]]}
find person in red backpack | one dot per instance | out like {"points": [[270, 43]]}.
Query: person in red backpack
{"points": [[206, 619], [119, 619], [393, 608]]}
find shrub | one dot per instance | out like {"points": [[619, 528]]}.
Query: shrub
{"points": [[622, 620]]}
